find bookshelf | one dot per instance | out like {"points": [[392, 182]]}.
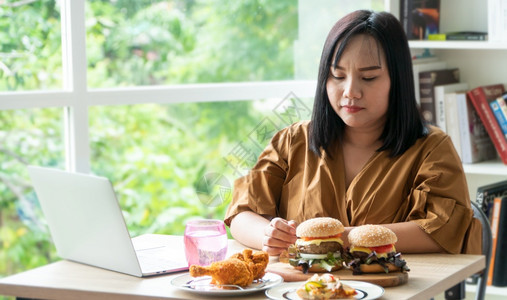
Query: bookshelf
{"points": [[458, 45], [480, 63]]}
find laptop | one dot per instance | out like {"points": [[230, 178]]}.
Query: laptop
{"points": [[87, 225]]}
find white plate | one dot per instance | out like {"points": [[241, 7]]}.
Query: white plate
{"points": [[365, 290], [201, 285]]}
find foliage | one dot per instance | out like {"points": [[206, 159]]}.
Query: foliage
{"points": [[30, 52], [190, 41], [27, 137]]}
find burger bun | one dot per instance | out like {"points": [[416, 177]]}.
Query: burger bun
{"points": [[371, 236], [376, 268], [316, 268], [320, 227]]}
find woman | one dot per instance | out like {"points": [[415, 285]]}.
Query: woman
{"points": [[365, 157]]}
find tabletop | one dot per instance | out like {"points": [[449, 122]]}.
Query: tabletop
{"points": [[430, 275]]}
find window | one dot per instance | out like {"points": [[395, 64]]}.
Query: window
{"points": [[169, 99]]}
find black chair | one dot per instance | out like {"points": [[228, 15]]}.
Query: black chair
{"points": [[458, 291], [487, 245]]}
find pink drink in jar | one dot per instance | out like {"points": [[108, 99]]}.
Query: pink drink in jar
{"points": [[205, 242]]}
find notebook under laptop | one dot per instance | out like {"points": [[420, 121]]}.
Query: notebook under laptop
{"points": [[87, 225]]}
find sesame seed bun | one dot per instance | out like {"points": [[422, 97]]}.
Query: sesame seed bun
{"points": [[317, 268], [371, 236], [376, 268], [319, 227]]}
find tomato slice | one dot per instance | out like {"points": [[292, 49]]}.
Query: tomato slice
{"points": [[322, 237], [382, 249]]}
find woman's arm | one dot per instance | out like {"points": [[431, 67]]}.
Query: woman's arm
{"points": [[256, 231], [411, 238]]}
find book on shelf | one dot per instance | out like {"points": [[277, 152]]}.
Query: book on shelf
{"points": [[497, 275], [502, 119], [497, 20], [486, 195], [420, 18], [436, 37], [467, 36], [459, 36], [475, 143], [439, 95], [480, 98], [427, 82], [499, 109], [452, 121], [422, 67], [494, 241]]}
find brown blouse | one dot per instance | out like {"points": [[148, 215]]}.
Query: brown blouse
{"points": [[425, 185]]}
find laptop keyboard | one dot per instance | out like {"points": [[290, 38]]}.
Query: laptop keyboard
{"points": [[155, 260], [157, 263]]}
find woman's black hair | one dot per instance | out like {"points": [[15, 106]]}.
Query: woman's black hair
{"points": [[404, 124]]}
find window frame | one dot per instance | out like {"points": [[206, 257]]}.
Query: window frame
{"points": [[76, 98]]}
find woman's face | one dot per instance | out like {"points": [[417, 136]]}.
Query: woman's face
{"points": [[358, 86]]}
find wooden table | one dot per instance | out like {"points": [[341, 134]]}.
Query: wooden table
{"points": [[430, 275]]}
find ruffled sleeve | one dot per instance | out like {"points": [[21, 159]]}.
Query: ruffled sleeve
{"points": [[259, 191], [440, 203]]}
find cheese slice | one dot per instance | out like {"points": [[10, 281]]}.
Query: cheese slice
{"points": [[360, 249], [301, 242], [368, 250]]}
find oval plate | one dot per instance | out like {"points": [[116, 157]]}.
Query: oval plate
{"points": [[202, 286], [287, 291]]}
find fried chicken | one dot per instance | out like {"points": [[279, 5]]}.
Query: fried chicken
{"points": [[239, 269], [260, 260], [231, 271]]}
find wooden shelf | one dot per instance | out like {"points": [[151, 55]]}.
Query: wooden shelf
{"points": [[491, 167], [463, 45]]}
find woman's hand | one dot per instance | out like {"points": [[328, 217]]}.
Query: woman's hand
{"points": [[279, 234], [272, 235]]}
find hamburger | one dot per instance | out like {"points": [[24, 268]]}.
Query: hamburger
{"points": [[372, 251], [319, 247]]}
